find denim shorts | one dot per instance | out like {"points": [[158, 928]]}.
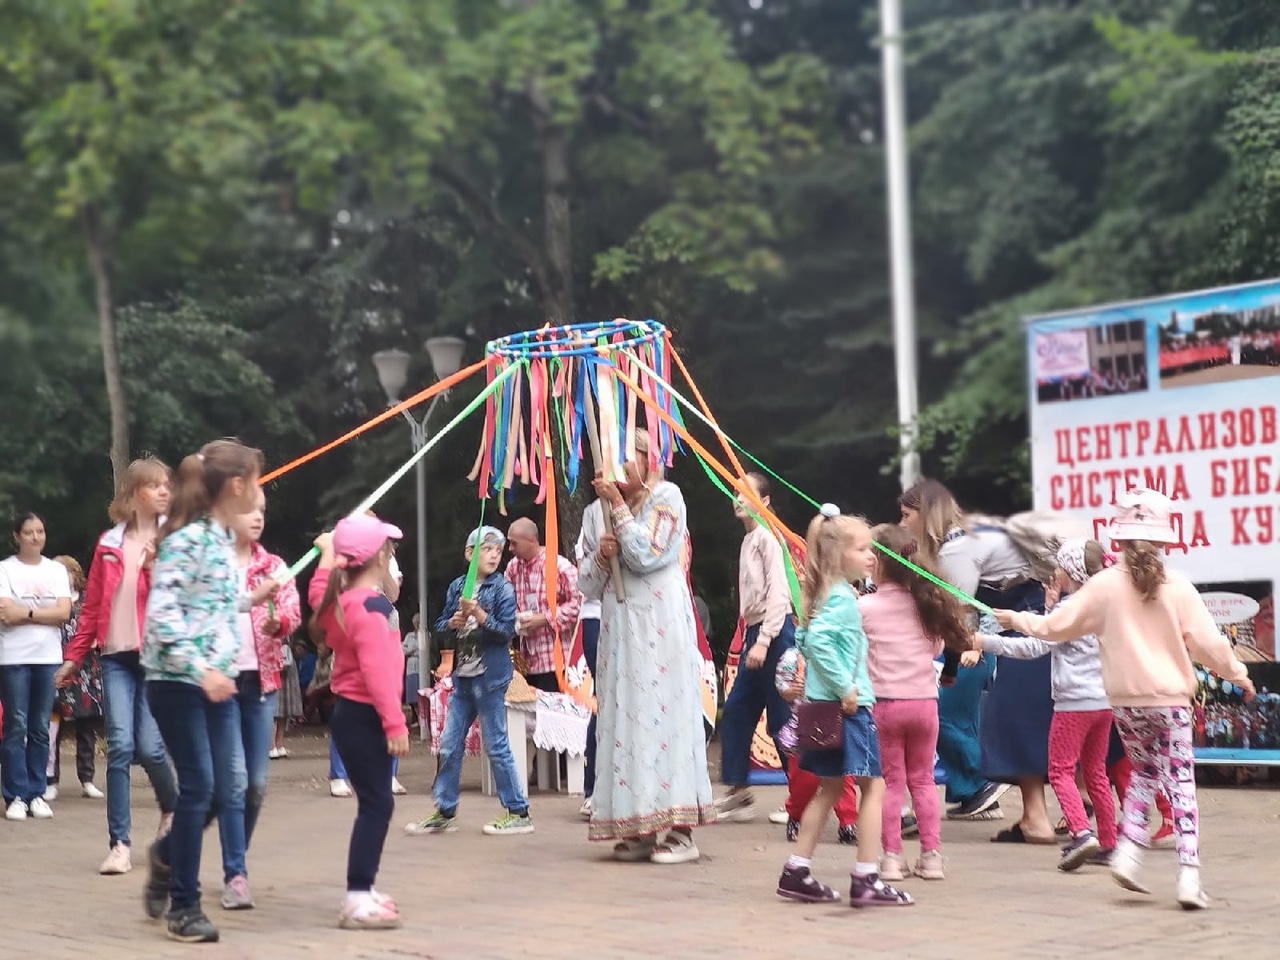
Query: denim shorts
{"points": [[860, 756]]}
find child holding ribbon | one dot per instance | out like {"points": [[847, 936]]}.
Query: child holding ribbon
{"points": [[908, 621], [368, 677], [1081, 727], [483, 624], [1149, 620]]}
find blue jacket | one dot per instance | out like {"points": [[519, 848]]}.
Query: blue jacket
{"points": [[497, 598]]}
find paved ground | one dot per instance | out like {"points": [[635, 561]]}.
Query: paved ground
{"points": [[554, 895]]}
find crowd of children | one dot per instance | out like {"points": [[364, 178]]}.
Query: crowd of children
{"points": [[185, 615]]}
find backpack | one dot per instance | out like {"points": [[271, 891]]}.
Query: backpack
{"points": [[1037, 535]]}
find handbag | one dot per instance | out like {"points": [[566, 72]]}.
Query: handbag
{"points": [[820, 725]]}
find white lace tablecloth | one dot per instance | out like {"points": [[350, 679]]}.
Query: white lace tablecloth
{"points": [[561, 724]]}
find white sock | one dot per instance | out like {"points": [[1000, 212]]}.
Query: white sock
{"points": [[356, 897], [865, 869], [798, 862]]}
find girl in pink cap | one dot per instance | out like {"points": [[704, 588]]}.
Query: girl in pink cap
{"points": [[368, 676], [1149, 622]]}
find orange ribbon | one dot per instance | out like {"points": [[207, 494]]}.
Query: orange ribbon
{"points": [[369, 424]]}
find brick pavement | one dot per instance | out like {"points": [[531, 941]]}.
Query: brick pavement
{"points": [[554, 895]]}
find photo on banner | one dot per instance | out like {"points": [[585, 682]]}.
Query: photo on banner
{"points": [[1212, 450]]}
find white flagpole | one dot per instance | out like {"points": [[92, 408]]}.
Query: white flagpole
{"points": [[896, 163]]}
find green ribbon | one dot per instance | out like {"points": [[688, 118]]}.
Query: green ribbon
{"points": [[391, 481], [469, 583], [791, 574]]}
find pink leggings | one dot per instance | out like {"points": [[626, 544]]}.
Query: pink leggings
{"points": [[1082, 737], [908, 741]]}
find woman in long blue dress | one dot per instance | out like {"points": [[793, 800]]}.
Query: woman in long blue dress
{"points": [[652, 786]]}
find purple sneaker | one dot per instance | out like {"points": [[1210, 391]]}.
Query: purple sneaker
{"points": [[1079, 850], [1101, 858], [797, 883], [871, 891]]}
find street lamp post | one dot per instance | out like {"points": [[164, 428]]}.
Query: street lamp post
{"points": [[393, 374]]}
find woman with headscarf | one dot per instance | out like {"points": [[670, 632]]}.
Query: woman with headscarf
{"points": [[652, 786]]}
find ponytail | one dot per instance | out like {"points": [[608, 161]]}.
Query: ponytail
{"points": [[201, 477], [1146, 567]]}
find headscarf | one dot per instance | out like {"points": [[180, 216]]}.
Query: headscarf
{"points": [[1071, 559]]}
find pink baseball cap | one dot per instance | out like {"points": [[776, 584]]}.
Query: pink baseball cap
{"points": [[359, 538]]}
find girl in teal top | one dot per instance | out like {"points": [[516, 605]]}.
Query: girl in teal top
{"points": [[838, 552]]}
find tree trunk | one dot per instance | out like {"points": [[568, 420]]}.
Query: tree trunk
{"points": [[116, 400], [557, 226]]}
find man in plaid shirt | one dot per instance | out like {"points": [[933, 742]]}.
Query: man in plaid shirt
{"points": [[527, 573]]}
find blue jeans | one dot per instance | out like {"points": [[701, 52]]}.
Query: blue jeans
{"points": [[132, 735], [338, 770], [26, 690], [590, 647], [257, 728], [959, 710], [208, 754], [357, 730], [469, 701], [754, 692]]}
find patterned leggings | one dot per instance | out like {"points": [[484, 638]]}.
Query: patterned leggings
{"points": [[1158, 741]]}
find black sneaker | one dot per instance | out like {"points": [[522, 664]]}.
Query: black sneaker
{"points": [[848, 835], [910, 826], [1080, 849], [156, 893], [977, 805], [190, 925], [797, 883], [793, 830]]}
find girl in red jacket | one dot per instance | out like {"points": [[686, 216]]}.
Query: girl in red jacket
{"points": [[368, 725], [115, 602]]}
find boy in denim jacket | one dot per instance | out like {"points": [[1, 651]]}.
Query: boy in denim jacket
{"points": [[482, 670]]}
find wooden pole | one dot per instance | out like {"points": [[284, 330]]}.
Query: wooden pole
{"points": [[593, 438]]}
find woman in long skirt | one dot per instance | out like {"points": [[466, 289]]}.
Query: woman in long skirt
{"points": [[652, 786]]}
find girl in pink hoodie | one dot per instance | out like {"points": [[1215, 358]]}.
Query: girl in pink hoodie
{"points": [[368, 725], [1149, 622]]}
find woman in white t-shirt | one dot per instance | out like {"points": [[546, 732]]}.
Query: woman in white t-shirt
{"points": [[35, 601]]}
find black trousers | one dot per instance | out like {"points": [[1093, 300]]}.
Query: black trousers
{"points": [[357, 733], [87, 733]]}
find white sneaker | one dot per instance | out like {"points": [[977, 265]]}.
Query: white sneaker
{"points": [[17, 811], [50, 793], [736, 808], [339, 788], [1126, 865], [41, 810], [397, 788], [119, 861], [779, 816], [1191, 895], [274, 753], [584, 811], [91, 792]]}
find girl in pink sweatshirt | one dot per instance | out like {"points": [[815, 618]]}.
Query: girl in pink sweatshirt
{"points": [[1146, 619], [908, 620], [368, 725]]}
